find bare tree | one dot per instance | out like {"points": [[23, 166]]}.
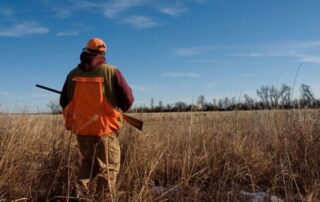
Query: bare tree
{"points": [[263, 94], [160, 105], [152, 103], [233, 103], [220, 103], [249, 102], [168, 107], [201, 102], [307, 96], [180, 106], [54, 107], [274, 96], [214, 103], [285, 96], [226, 103]]}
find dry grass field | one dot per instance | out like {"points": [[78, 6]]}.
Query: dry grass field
{"points": [[177, 157]]}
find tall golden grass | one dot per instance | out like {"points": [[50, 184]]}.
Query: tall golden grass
{"points": [[177, 157]]}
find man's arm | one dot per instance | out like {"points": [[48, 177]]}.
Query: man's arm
{"points": [[123, 92], [64, 95]]}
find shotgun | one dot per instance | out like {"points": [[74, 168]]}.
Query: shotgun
{"points": [[132, 121]]}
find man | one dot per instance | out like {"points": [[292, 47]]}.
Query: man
{"points": [[92, 99]]}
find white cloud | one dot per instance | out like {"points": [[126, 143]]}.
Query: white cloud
{"points": [[309, 58], [140, 22], [23, 29], [306, 44], [67, 33], [186, 52], [289, 54], [303, 51], [204, 60], [200, 1], [272, 53], [123, 11], [63, 13], [6, 11], [248, 75], [120, 10], [65, 9], [256, 55], [116, 7], [138, 88], [181, 75], [197, 50], [210, 85], [60, 10], [173, 11]]}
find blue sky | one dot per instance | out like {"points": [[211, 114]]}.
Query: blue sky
{"points": [[169, 50]]}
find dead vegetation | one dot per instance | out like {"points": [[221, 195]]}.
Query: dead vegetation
{"points": [[178, 157]]}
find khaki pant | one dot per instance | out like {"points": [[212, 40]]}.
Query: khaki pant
{"points": [[97, 153]]}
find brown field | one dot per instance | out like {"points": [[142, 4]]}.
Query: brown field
{"points": [[178, 157]]}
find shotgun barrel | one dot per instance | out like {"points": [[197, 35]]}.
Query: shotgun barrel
{"points": [[129, 119], [49, 89]]}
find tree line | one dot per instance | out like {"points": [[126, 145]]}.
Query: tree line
{"points": [[268, 97]]}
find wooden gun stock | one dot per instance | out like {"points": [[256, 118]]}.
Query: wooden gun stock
{"points": [[133, 121], [129, 119]]}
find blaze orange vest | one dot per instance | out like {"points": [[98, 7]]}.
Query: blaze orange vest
{"points": [[88, 112]]}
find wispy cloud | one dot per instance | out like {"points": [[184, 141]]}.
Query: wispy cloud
{"points": [[210, 85], [247, 75], [140, 22], [138, 88], [121, 11], [302, 51], [125, 12], [59, 9], [301, 57], [193, 51], [276, 52], [6, 11], [200, 1], [67, 33], [255, 55], [65, 9], [309, 58], [173, 11], [204, 60], [186, 52], [181, 75], [63, 13], [23, 29], [116, 7], [305, 44]]}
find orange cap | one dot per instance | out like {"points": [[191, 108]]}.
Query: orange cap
{"points": [[96, 44]]}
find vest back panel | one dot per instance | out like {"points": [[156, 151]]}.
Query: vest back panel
{"points": [[89, 113]]}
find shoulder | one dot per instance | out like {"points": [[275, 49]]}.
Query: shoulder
{"points": [[74, 72], [108, 68]]}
